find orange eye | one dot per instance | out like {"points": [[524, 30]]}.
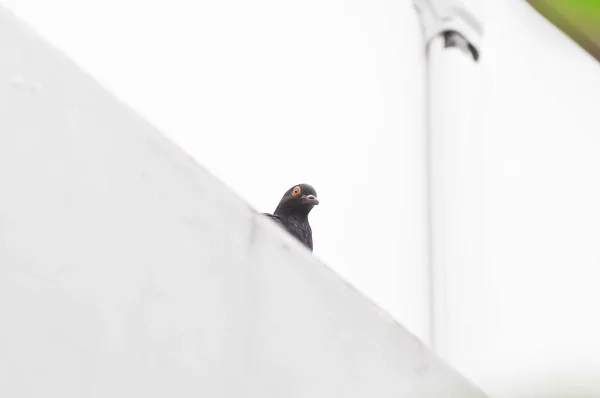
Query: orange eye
{"points": [[296, 191]]}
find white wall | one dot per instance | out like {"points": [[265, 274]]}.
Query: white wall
{"points": [[128, 270], [538, 335]]}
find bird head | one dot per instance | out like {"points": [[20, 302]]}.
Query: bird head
{"points": [[299, 199]]}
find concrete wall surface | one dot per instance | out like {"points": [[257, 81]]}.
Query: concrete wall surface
{"points": [[127, 270]]}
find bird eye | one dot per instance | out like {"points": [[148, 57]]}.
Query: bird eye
{"points": [[296, 191]]}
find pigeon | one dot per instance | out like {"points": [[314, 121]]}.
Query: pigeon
{"points": [[292, 212]]}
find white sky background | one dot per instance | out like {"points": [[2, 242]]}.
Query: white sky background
{"points": [[269, 93], [542, 214]]}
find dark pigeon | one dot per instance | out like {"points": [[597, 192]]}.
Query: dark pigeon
{"points": [[292, 212]]}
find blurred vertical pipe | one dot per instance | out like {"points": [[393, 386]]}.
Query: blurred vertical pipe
{"points": [[450, 87], [452, 35]]}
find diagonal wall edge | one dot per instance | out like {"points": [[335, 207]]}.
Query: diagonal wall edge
{"points": [[128, 270]]}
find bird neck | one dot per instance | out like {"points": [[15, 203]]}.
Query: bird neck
{"points": [[288, 212]]}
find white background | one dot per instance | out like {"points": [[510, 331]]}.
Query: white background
{"points": [[266, 94]]}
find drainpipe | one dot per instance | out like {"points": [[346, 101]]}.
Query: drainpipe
{"points": [[452, 31]]}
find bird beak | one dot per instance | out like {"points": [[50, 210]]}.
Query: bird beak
{"points": [[310, 199]]}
